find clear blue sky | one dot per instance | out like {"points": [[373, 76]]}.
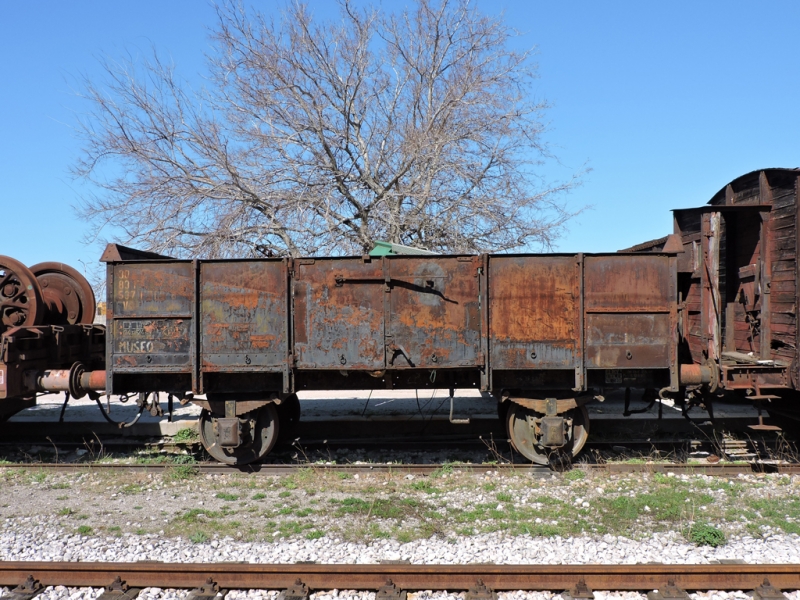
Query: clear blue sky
{"points": [[666, 102]]}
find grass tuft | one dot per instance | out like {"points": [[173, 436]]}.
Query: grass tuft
{"points": [[704, 534], [185, 435], [198, 537]]}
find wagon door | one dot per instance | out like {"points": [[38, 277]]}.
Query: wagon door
{"points": [[338, 314], [434, 320], [243, 311], [630, 311], [533, 312]]}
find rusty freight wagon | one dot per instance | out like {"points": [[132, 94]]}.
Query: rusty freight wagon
{"points": [[544, 333], [705, 311]]}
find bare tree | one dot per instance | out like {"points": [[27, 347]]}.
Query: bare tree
{"points": [[416, 128]]}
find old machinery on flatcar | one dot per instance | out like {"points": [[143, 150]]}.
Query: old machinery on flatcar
{"points": [[706, 310]]}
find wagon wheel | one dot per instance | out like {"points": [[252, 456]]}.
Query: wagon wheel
{"points": [[524, 440], [263, 427], [67, 295], [20, 295]]}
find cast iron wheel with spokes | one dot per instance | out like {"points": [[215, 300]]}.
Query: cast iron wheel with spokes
{"points": [[21, 300], [524, 440], [263, 427], [66, 293]]}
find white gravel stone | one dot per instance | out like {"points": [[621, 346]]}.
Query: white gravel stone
{"points": [[46, 541]]}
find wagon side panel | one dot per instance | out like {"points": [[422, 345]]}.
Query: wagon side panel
{"points": [[434, 319], [533, 312], [243, 315], [628, 302], [152, 324], [338, 314]]}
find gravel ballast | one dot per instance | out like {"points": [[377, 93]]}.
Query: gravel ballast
{"points": [[449, 518], [24, 539]]}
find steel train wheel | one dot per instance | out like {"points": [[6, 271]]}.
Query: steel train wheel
{"points": [[263, 425], [21, 300], [524, 440], [67, 295]]}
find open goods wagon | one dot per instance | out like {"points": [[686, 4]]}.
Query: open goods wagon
{"points": [[708, 309]]}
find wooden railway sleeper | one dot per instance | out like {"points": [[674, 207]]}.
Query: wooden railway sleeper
{"points": [[119, 590], [580, 591], [766, 591], [390, 591], [298, 591], [26, 590], [208, 591], [480, 591], [668, 592]]}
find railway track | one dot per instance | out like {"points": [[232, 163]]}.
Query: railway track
{"points": [[123, 580], [720, 470]]}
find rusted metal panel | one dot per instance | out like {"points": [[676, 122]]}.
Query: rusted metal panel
{"points": [[150, 321], [632, 341], [628, 283], [629, 317], [153, 290], [338, 313], [435, 319], [243, 315], [533, 312], [151, 342]]}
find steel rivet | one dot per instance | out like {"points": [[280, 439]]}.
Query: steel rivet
{"points": [[533, 354], [628, 355]]}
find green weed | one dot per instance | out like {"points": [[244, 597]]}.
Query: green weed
{"points": [[575, 475], [181, 472], [424, 485], [703, 534], [198, 537], [187, 434]]}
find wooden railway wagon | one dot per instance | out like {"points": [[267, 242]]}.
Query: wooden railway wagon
{"points": [[707, 310], [737, 288]]}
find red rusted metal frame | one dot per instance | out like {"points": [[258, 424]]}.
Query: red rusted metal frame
{"points": [[109, 325], [674, 369], [408, 577], [765, 198], [196, 346], [388, 334], [580, 355], [288, 331], [796, 364], [483, 291]]}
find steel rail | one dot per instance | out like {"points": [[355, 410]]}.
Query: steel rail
{"points": [[718, 469], [404, 576]]}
